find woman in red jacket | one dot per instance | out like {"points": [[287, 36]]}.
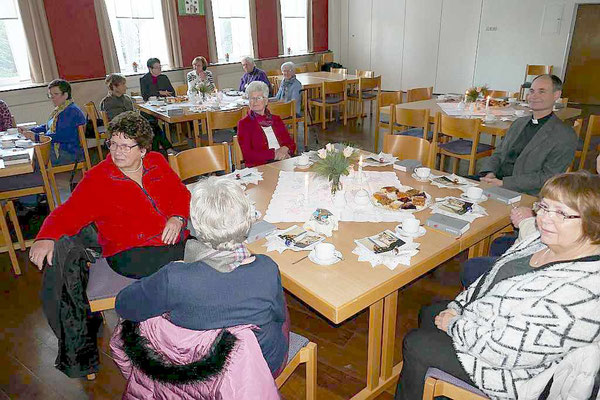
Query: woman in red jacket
{"points": [[136, 201], [263, 137]]}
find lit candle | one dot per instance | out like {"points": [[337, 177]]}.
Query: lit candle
{"points": [[466, 94], [306, 187], [487, 103]]}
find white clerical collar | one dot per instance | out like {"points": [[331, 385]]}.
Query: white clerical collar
{"points": [[535, 121]]}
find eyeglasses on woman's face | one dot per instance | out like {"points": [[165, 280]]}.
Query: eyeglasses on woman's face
{"points": [[541, 208], [256, 98], [123, 148]]}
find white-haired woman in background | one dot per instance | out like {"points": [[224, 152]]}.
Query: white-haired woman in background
{"points": [[252, 73], [219, 284], [263, 136], [290, 87]]}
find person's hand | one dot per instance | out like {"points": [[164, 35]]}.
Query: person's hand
{"points": [[282, 153], [28, 134], [443, 318], [519, 214], [165, 93], [598, 164], [21, 130], [41, 250], [171, 231], [491, 179]]}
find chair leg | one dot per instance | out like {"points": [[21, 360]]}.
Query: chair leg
{"points": [[455, 165], [429, 389], [323, 117], [442, 161], [54, 188], [472, 163], [345, 113], [7, 239], [311, 372], [12, 213]]}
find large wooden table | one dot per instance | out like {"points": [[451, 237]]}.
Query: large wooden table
{"points": [[342, 290], [19, 169]]}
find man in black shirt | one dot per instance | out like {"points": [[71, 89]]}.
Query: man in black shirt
{"points": [[534, 148]]}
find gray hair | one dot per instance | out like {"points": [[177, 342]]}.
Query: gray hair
{"points": [[257, 86], [247, 58], [288, 65], [220, 212]]}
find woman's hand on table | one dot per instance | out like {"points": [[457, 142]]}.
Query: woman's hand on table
{"points": [[41, 250], [171, 231], [165, 93], [491, 179], [282, 153], [28, 134], [443, 319], [519, 214]]}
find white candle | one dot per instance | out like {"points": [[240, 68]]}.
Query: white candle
{"points": [[487, 103], [466, 94], [360, 165]]}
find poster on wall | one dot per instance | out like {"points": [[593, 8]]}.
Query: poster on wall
{"points": [[190, 7]]}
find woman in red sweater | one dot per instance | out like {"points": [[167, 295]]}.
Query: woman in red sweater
{"points": [[263, 137], [136, 201]]}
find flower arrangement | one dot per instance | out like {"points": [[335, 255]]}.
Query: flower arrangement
{"points": [[201, 88], [473, 93], [332, 164]]}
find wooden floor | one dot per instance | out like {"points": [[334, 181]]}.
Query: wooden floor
{"points": [[28, 347]]}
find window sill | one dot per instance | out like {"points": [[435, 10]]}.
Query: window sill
{"points": [[20, 85]]}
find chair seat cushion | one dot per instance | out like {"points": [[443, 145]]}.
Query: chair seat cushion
{"points": [[415, 132], [328, 100], [104, 282], [443, 376], [365, 95], [24, 181], [297, 342], [463, 146]]}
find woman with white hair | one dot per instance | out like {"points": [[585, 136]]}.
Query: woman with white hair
{"points": [[263, 136], [252, 73], [290, 87], [200, 75], [219, 284]]}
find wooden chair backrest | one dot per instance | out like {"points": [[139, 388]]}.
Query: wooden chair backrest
{"points": [[339, 70], [496, 94], [326, 58], [274, 72], [83, 143], [301, 69], [238, 156], [42, 155], [181, 90], [287, 112], [418, 94], [371, 83], [537, 70], [104, 117], [275, 82], [388, 98], [223, 119], [577, 125], [364, 74], [333, 87], [408, 147], [458, 127], [201, 160], [593, 129], [416, 118], [91, 111], [312, 67]]}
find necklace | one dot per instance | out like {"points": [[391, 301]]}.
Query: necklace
{"points": [[134, 170], [536, 262]]}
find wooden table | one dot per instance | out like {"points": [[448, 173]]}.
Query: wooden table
{"points": [[18, 169], [340, 291]]}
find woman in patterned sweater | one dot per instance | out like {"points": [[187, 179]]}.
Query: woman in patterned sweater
{"points": [[538, 302]]}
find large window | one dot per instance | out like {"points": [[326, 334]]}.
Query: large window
{"points": [[139, 32], [232, 29], [294, 26], [14, 61]]}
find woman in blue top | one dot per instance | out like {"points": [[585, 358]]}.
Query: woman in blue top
{"points": [[62, 125], [290, 87]]}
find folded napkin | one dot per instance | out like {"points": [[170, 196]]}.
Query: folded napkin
{"points": [[477, 211], [461, 182], [275, 243], [246, 176], [389, 259], [379, 160]]}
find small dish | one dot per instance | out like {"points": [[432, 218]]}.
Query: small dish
{"points": [[415, 177], [479, 200], [337, 256], [417, 234]]}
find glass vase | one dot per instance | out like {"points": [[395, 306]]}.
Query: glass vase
{"points": [[336, 185]]}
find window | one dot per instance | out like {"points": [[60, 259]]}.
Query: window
{"points": [[14, 61], [232, 29], [294, 26], [138, 31]]}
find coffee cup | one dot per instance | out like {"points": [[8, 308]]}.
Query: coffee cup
{"points": [[422, 172], [474, 193], [520, 113], [303, 159], [152, 98], [324, 251], [411, 225]]}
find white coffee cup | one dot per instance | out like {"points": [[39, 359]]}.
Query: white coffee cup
{"points": [[411, 225], [303, 159], [474, 192], [324, 251], [520, 113], [422, 172], [12, 131]]}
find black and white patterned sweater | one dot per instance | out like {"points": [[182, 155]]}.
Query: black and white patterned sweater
{"points": [[507, 334]]}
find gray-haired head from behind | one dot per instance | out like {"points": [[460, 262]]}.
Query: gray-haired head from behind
{"points": [[257, 86]]}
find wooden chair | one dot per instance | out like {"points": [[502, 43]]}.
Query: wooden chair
{"points": [[287, 112], [418, 94], [82, 165], [466, 146], [275, 83], [591, 140], [312, 67], [326, 58], [6, 243], [368, 91], [99, 131], [181, 90], [220, 120], [364, 74], [440, 383], [339, 70], [408, 147], [333, 93], [385, 99], [577, 126], [533, 70], [201, 160], [410, 122], [301, 69], [498, 94], [238, 156], [301, 351], [274, 72], [36, 182]]}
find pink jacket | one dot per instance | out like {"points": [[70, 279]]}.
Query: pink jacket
{"points": [[246, 376]]}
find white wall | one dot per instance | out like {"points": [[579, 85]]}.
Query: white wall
{"points": [[451, 44]]}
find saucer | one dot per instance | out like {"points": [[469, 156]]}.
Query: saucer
{"points": [[479, 200], [313, 257], [417, 234], [415, 177], [302, 166]]}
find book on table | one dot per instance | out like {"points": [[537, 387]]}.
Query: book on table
{"points": [[407, 165], [17, 158], [451, 225], [502, 195]]}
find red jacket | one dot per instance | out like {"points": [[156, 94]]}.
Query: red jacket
{"points": [[126, 215], [253, 140]]}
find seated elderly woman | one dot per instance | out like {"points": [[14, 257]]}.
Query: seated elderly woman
{"points": [[290, 87], [62, 125], [219, 284], [263, 136], [252, 73], [200, 75], [155, 83], [538, 302], [137, 203]]}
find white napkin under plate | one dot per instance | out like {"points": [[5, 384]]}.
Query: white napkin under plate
{"points": [[275, 243]]}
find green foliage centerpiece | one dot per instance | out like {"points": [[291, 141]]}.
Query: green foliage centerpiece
{"points": [[201, 89], [473, 93], [333, 163]]}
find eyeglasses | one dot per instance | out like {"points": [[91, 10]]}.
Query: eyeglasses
{"points": [[541, 209], [52, 95], [257, 98], [123, 148]]}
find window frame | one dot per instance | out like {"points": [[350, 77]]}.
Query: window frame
{"points": [[215, 18], [21, 59], [282, 19]]}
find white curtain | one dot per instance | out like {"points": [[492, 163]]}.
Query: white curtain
{"points": [[107, 41], [169, 10], [42, 62]]}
